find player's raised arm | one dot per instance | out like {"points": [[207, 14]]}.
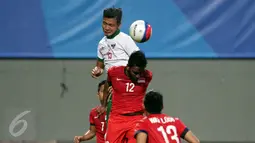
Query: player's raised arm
{"points": [[100, 59], [100, 63], [99, 68]]}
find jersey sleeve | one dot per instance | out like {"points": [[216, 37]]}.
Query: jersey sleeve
{"points": [[99, 54], [141, 126], [130, 46], [181, 128], [91, 118]]}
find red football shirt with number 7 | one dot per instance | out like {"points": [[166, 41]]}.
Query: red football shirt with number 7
{"points": [[127, 97], [99, 123], [161, 128]]}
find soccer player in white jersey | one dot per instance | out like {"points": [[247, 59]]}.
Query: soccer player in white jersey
{"points": [[115, 47]]}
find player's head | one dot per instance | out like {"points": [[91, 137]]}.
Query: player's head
{"points": [[111, 20], [100, 90], [137, 63], [153, 102]]}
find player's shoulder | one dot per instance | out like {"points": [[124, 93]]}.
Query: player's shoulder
{"points": [[102, 41], [94, 110], [166, 115], [175, 119], [125, 36]]}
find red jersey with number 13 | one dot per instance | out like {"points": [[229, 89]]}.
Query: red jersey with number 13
{"points": [[127, 97], [161, 128]]}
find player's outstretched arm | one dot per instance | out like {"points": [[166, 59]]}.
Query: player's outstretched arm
{"points": [[141, 137], [91, 133], [100, 63], [99, 68], [191, 138]]}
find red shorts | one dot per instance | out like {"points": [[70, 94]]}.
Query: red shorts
{"points": [[121, 129]]}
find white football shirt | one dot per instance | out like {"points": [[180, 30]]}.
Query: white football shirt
{"points": [[116, 51]]}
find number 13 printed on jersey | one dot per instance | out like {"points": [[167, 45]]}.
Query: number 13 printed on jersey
{"points": [[169, 130]]}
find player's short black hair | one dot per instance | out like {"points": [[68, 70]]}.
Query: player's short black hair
{"points": [[153, 102], [113, 13], [137, 58], [100, 84]]}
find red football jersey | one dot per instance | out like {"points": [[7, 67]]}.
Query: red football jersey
{"points": [[127, 97], [162, 128], [100, 124]]}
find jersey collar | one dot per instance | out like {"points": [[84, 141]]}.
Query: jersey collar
{"points": [[114, 34]]}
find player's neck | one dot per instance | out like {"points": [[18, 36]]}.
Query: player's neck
{"points": [[114, 34]]}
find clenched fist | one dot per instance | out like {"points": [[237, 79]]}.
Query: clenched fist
{"points": [[77, 139], [96, 72]]}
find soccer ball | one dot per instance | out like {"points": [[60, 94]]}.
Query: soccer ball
{"points": [[140, 31]]}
